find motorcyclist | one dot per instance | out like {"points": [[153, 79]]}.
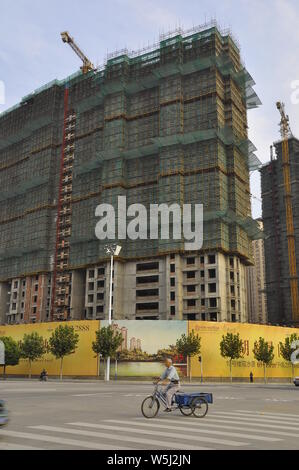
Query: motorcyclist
{"points": [[43, 375]]}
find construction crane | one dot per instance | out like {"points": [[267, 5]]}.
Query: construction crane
{"points": [[286, 133], [87, 64]]}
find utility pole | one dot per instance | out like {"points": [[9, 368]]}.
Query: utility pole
{"points": [[112, 250]]}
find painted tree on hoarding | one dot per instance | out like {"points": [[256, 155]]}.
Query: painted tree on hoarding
{"points": [[32, 348], [263, 352], [12, 352], [231, 347], [63, 342], [286, 350], [188, 346], [107, 342]]}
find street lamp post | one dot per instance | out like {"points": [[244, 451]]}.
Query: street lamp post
{"points": [[112, 250]]}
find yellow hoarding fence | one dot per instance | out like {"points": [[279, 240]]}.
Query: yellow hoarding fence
{"points": [[81, 363], [153, 335], [215, 366]]}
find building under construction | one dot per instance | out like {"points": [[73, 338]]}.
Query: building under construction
{"points": [[164, 125], [281, 226]]}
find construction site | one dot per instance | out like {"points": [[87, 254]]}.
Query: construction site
{"points": [[280, 193], [167, 124]]}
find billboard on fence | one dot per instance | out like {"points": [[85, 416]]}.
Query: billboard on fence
{"points": [[145, 345], [214, 365], [81, 363]]}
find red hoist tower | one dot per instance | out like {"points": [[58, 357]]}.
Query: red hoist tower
{"points": [[62, 276]]}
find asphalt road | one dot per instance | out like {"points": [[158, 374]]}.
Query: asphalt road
{"points": [[97, 415]]}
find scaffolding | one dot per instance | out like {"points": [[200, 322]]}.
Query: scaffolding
{"points": [[166, 124]]}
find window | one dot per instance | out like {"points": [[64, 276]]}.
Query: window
{"points": [[149, 306], [213, 316], [231, 275], [100, 309], [101, 271], [234, 318], [231, 262], [212, 259], [203, 302], [36, 287], [100, 296], [90, 286], [202, 288], [233, 304], [35, 298], [191, 288], [213, 303], [212, 273], [147, 279], [172, 296], [172, 268], [91, 274], [212, 288], [190, 261], [191, 274], [147, 266], [202, 274], [172, 282], [172, 310], [203, 317], [100, 284], [191, 303], [232, 290], [90, 298], [202, 260], [172, 256], [147, 293]]}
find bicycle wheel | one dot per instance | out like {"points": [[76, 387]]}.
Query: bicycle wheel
{"points": [[150, 407], [186, 410], [199, 407]]}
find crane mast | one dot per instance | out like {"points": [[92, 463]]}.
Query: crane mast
{"points": [[286, 134], [87, 64]]}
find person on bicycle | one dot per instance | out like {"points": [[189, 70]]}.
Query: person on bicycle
{"points": [[170, 378]]}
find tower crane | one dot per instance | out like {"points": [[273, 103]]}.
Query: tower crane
{"points": [[286, 133], [87, 64]]}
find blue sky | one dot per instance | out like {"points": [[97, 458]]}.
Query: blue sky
{"points": [[32, 54]]}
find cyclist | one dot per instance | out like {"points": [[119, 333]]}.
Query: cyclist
{"points": [[170, 378]]}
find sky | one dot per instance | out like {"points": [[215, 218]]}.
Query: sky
{"points": [[32, 53]]}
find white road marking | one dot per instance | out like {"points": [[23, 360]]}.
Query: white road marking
{"points": [[163, 434], [199, 429], [93, 395], [119, 437], [28, 390], [262, 418], [61, 441], [10, 446], [267, 414], [208, 424]]}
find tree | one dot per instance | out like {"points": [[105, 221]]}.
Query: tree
{"points": [[32, 348], [231, 347], [12, 352], [107, 342], [188, 346], [63, 342], [286, 349], [263, 352]]}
